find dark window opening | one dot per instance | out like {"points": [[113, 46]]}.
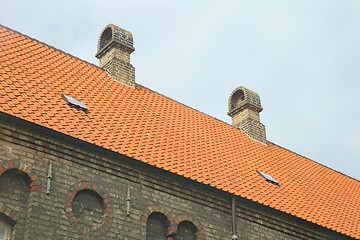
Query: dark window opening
{"points": [[237, 98], [186, 230], [156, 228], [105, 37]]}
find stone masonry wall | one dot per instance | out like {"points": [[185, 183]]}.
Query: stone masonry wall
{"points": [[89, 189]]}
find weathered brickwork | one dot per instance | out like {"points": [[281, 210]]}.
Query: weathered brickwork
{"points": [[157, 226], [88, 209], [254, 129], [186, 231], [114, 48], [245, 114], [15, 193], [244, 108], [121, 71], [89, 191], [114, 52]]}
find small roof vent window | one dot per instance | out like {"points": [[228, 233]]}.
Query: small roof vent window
{"points": [[268, 177], [73, 102]]}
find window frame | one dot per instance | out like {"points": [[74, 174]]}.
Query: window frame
{"points": [[7, 228]]}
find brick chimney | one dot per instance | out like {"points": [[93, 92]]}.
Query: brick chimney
{"points": [[244, 109], [114, 48]]}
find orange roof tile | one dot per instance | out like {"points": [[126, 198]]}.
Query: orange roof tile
{"points": [[147, 126]]}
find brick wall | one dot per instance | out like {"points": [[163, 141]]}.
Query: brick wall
{"points": [[243, 115], [14, 191], [88, 197], [253, 128], [121, 71]]}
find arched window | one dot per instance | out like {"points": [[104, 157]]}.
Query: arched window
{"points": [[186, 230], [5, 230], [88, 208], [14, 192], [156, 228], [14, 188]]}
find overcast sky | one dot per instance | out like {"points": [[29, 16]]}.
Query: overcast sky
{"points": [[301, 56]]}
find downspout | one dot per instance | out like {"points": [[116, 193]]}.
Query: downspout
{"points": [[233, 217]]}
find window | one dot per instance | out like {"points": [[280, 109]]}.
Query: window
{"points": [[268, 177], [5, 230], [74, 102], [14, 190], [88, 208], [156, 228], [186, 231]]}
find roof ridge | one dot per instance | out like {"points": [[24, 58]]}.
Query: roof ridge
{"points": [[49, 46]]}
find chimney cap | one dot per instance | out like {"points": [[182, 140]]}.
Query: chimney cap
{"points": [[111, 35], [242, 98]]}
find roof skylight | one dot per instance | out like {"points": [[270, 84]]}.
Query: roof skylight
{"points": [[268, 177], [74, 102]]}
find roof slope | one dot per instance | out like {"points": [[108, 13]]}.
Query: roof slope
{"points": [[152, 128]]}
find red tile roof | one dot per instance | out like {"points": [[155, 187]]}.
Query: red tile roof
{"points": [[143, 124]]}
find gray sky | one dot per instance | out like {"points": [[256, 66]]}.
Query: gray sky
{"points": [[301, 56]]}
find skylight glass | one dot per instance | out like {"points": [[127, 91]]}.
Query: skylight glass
{"points": [[268, 177], [73, 102]]}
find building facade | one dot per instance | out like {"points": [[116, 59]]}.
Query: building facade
{"points": [[127, 163]]}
